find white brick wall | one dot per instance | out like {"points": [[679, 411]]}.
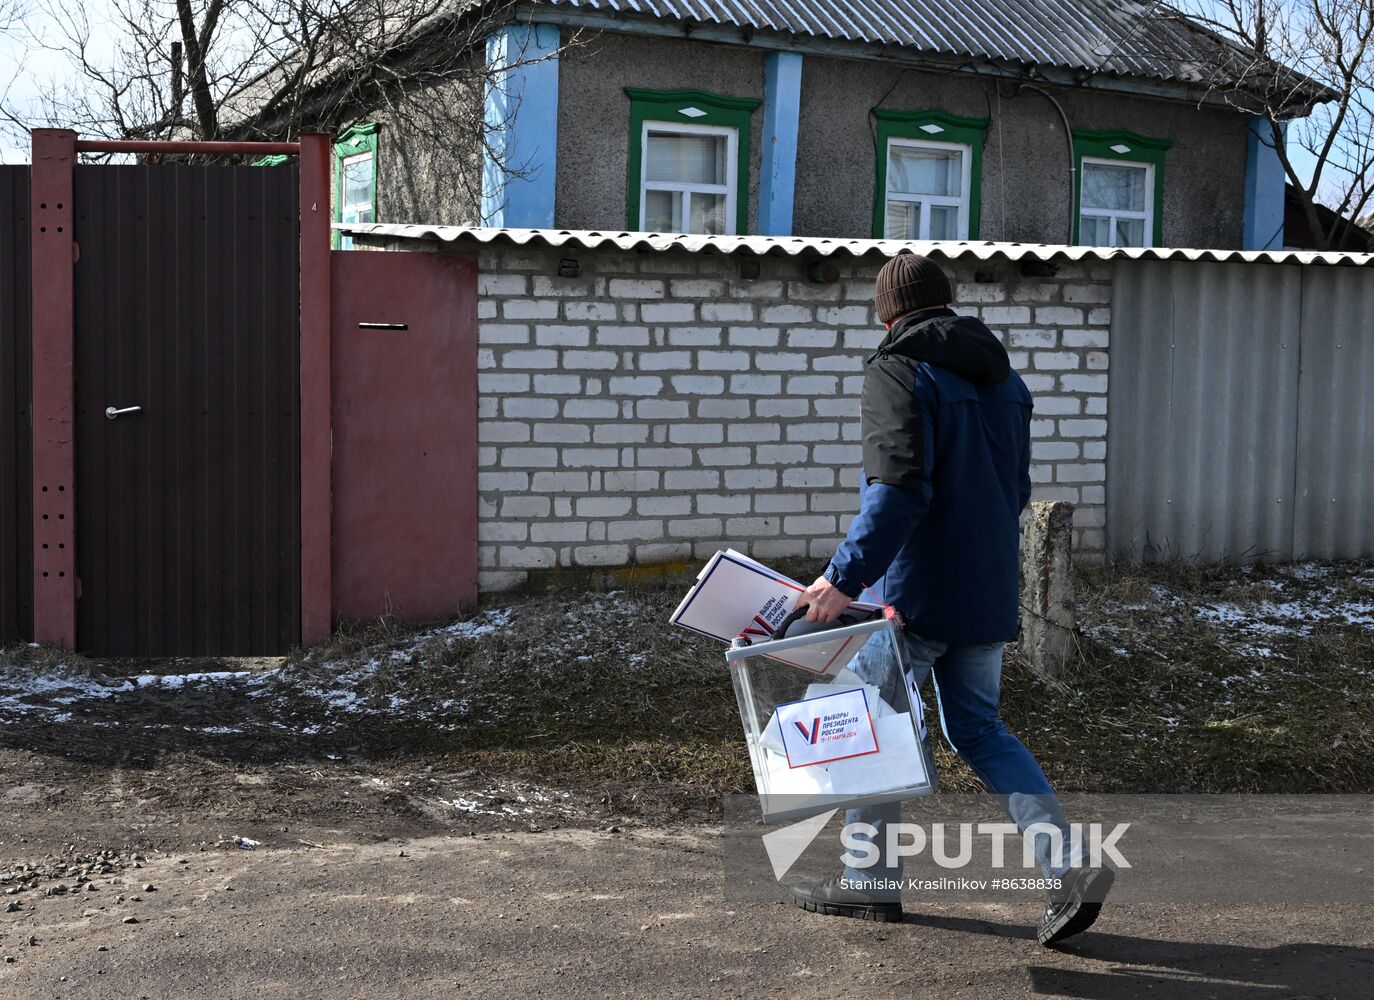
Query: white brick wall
{"points": [[659, 406]]}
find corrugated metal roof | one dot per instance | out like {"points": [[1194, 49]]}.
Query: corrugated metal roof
{"points": [[814, 246], [1121, 37]]}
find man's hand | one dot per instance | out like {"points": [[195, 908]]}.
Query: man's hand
{"points": [[824, 601]]}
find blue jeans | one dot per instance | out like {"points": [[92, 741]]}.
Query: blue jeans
{"points": [[968, 685]]}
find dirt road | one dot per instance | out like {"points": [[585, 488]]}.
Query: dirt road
{"points": [[408, 845], [595, 913]]}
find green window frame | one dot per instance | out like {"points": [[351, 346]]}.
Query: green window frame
{"points": [[356, 141], [688, 111], [931, 127], [1128, 148]]}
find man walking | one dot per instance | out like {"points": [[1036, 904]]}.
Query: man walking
{"points": [[946, 453]]}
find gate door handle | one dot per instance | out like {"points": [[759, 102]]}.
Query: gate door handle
{"points": [[115, 411]]}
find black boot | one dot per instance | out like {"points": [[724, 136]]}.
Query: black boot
{"points": [[832, 899], [1072, 909]]}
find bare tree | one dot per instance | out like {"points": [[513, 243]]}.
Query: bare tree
{"points": [[11, 13], [11, 16], [1289, 52], [271, 69]]}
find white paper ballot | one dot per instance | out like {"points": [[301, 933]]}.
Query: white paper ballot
{"points": [[827, 727], [785, 780], [847, 676], [898, 764], [771, 737], [876, 706], [738, 596]]}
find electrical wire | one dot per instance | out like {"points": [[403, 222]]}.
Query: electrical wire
{"points": [[1068, 141], [1001, 164], [873, 118], [1024, 84], [987, 102]]}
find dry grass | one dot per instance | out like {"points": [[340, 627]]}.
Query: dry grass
{"points": [[593, 688], [1188, 678], [1166, 695], [1195, 678]]}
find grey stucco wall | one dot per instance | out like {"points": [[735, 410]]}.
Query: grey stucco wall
{"points": [[429, 153], [1025, 190], [594, 115], [1025, 184]]}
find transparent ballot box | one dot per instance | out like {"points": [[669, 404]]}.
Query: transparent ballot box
{"points": [[830, 717]]}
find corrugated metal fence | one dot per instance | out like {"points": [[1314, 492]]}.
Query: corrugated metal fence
{"points": [[1240, 418], [16, 569], [187, 306]]}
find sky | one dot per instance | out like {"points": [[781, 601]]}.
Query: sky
{"points": [[26, 70], [33, 70]]}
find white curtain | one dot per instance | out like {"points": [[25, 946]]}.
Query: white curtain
{"points": [[903, 220], [1110, 186], [357, 179], [917, 170], [686, 159]]}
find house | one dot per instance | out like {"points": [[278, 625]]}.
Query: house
{"points": [[1356, 235], [1105, 122]]}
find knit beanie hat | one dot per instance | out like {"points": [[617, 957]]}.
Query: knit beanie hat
{"points": [[909, 282]]}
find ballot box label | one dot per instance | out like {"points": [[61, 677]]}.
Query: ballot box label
{"points": [[827, 728]]}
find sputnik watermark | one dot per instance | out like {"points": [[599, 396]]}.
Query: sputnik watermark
{"points": [[863, 852], [1042, 844], [1174, 849]]}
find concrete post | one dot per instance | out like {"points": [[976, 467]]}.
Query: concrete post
{"points": [[1047, 605]]}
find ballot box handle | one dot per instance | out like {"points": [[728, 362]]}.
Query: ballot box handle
{"points": [[799, 613]]}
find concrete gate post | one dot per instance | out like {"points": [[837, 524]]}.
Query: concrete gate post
{"points": [[1047, 598]]}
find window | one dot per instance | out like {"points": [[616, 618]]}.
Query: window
{"points": [[687, 179], [1120, 189], [689, 162], [1113, 208], [355, 179], [929, 175], [927, 190]]}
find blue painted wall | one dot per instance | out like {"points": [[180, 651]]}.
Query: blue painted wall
{"points": [[522, 122], [782, 73], [1264, 180]]}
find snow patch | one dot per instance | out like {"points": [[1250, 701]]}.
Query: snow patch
{"points": [[473, 628], [173, 681], [1295, 618], [27, 689], [1306, 571]]}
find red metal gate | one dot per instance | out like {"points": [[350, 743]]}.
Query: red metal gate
{"points": [[187, 326], [16, 568], [180, 423], [203, 507], [405, 434]]}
